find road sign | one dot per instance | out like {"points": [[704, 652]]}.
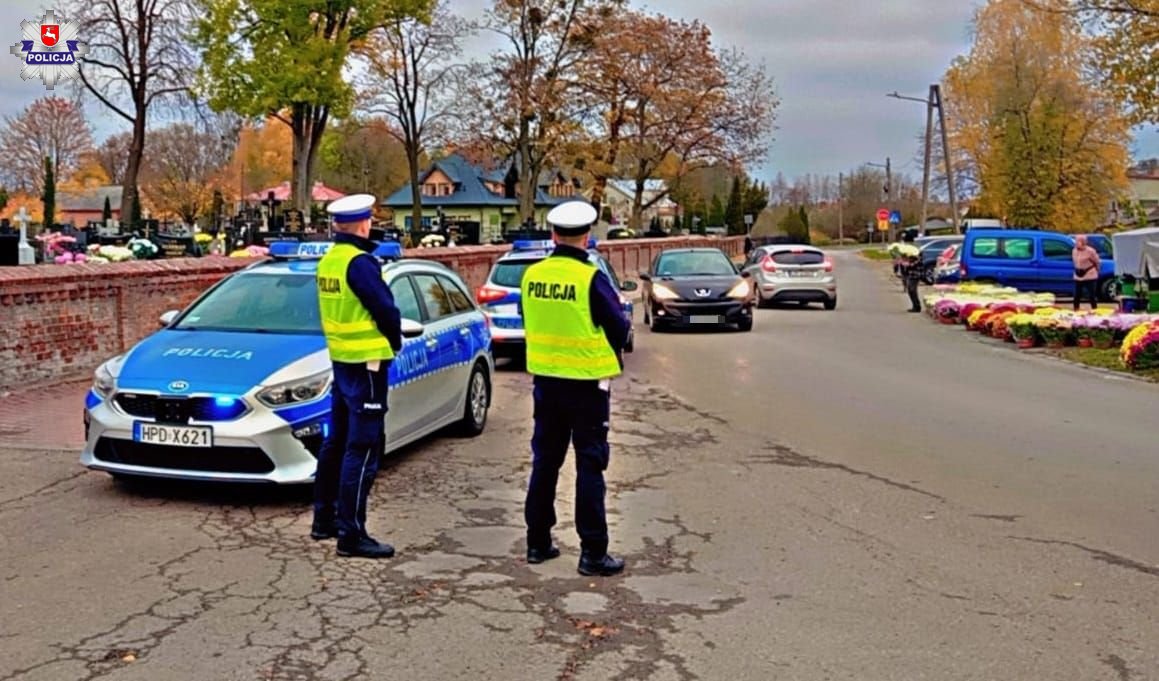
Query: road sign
{"points": [[883, 214], [883, 225], [748, 218], [895, 217]]}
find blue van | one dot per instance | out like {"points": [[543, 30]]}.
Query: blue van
{"points": [[1031, 260]]}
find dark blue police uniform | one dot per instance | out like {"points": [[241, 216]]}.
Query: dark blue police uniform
{"points": [[348, 461], [575, 411]]}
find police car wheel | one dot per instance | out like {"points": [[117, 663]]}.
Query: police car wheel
{"points": [[477, 402]]}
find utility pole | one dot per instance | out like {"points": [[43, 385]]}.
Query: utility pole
{"points": [[840, 209], [889, 202], [936, 90], [926, 162]]}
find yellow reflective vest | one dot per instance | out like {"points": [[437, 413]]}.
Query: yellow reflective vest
{"points": [[351, 334], [562, 339]]}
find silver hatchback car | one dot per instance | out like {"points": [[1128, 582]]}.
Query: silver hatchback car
{"points": [[791, 273]]}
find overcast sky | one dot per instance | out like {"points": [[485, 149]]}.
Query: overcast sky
{"points": [[833, 62]]}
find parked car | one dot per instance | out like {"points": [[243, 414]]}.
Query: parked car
{"points": [[694, 287], [798, 274], [1029, 260], [931, 250], [499, 297], [237, 386]]}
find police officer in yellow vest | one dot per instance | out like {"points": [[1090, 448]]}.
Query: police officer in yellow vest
{"points": [[575, 330], [363, 332]]}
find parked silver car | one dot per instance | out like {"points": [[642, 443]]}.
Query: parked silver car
{"points": [[784, 273]]}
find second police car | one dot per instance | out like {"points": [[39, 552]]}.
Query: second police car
{"points": [[499, 297], [237, 386]]}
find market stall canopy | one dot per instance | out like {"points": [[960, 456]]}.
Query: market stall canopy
{"points": [[319, 194], [1149, 259], [1129, 250]]}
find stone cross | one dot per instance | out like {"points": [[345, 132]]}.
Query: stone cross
{"points": [[25, 254]]}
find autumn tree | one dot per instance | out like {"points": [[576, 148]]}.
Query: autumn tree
{"points": [[138, 59], [50, 127], [1125, 38], [411, 76], [112, 155], [363, 155], [669, 102], [261, 158], [287, 59], [183, 165], [1048, 146], [525, 103]]}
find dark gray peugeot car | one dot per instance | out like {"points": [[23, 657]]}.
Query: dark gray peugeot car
{"points": [[696, 287]]}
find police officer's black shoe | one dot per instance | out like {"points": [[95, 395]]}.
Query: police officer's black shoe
{"points": [[535, 556], [320, 531], [363, 547], [604, 566]]}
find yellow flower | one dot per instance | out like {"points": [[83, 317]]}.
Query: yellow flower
{"points": [[1133, 337]]}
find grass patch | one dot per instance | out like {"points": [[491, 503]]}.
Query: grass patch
{"points": [[876, 254], [1103, 359]]}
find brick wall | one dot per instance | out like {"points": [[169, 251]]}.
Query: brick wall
{"points": [[57, 321]]}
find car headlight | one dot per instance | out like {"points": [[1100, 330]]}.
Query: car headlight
{"points": [[662, 292], [104, 382], [293, 392], [741, 290]]}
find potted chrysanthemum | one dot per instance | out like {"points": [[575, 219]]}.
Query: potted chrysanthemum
{"points": [[1023, 329]]}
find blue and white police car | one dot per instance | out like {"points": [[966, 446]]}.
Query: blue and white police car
{"points": [[499, 297], [237, 386]]}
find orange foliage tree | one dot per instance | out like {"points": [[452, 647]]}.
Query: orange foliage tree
{"points": [[1038, 134]]}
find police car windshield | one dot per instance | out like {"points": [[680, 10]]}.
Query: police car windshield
{"points": [[693, 263], [258, 303], [509, 273]]}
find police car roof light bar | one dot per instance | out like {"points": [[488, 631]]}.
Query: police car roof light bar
{"points": [[533, 245], [286, 250], [388, 250]]}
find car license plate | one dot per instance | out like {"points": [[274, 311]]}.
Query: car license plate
{"points": [[704, 319], [173, 436], [801, 274]]}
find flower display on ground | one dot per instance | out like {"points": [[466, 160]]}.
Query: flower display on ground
{"points": [[1140, 349], [110, 253], [1029, 319], [250, 252], [143, 249]]}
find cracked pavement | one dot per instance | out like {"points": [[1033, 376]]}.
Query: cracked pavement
{"points": [[848, 495]]}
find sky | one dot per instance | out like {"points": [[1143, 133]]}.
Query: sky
{"points": [[833, 62]]}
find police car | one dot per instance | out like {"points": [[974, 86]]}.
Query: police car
{"points": [[236, 387], [499, 297]]}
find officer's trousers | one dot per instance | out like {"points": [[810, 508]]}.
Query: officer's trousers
{"points": [[349, 457], [911, 289], [575, 412]]}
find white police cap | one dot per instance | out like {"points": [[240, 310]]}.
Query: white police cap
{"points": [[572, 217], [353, 208]]}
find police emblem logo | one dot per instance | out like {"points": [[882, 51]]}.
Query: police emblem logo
{"points": [[50, 50]]}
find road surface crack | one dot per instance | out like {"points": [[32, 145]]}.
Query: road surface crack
{"points": [[786, 456], [1099, 555]]}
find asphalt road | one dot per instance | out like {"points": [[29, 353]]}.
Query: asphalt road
{"points": [[858, 494]]}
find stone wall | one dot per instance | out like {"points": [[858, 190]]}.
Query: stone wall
{"points": [[58, 321]]}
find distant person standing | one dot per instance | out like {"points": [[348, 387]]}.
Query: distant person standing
{"points": [[1086, 272], [911, 273]]}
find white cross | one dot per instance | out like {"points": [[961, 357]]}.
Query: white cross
{"points": [[25, 254]]}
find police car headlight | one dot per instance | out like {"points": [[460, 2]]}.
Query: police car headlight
{"points": [[741, 290], [104, 382], [662, 292], [293, 392]]}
